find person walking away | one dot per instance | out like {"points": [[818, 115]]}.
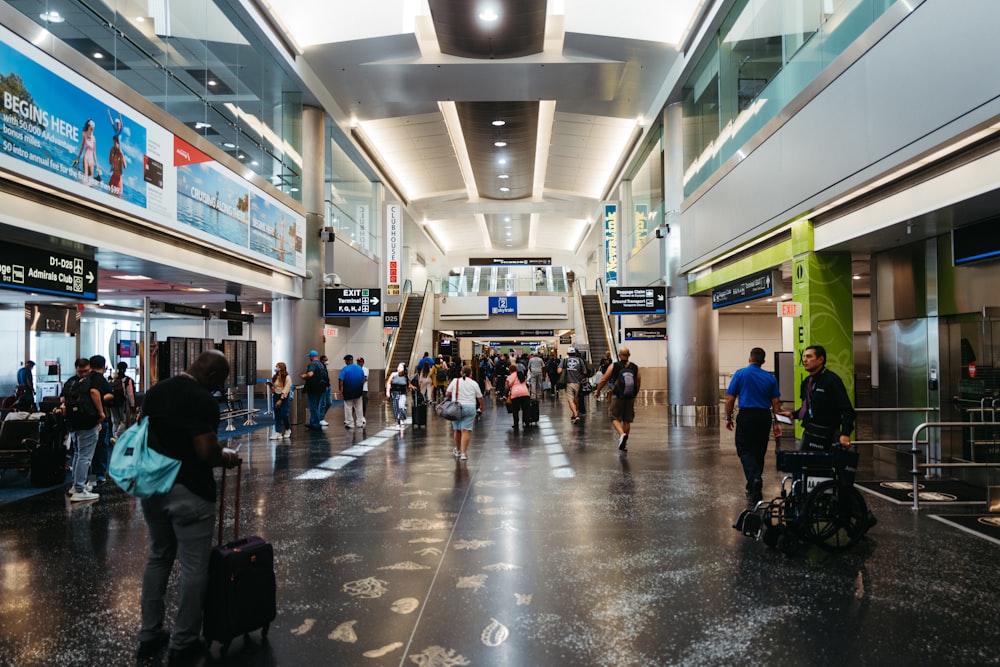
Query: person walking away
{"points": [[440, 371], [574, 369], [84, 412], [123, 405], [352, 382], [99, 464], [519, 395], [425, 362], [364, 391], [624, 379], [536, 369], [327, 400], [758, 394], [425, 384], [183, 418], [317, 380], [552, 368], [26, 378], [465, 392], [281, 392], [395, 390], [826, 412]]}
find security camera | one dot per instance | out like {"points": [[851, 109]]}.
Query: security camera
{"points": [[331, 280]]}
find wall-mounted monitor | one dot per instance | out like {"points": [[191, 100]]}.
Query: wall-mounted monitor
{"points": [[976, 242]]}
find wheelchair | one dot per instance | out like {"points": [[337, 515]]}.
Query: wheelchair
{"points": [[818, 504]]}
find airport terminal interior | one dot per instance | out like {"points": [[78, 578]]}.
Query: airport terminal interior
{"points": [[675, 183]]}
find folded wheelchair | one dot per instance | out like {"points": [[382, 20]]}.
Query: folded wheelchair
{"points": [[818, 504]]}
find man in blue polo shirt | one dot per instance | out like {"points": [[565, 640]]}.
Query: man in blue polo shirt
{"points": [[352, 382], [758, 394]]}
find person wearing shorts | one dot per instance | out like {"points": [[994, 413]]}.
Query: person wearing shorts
{"points": [[621, 409], [466, 392]]}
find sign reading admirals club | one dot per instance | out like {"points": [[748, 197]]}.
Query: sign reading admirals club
{"points": [[347, 301]]}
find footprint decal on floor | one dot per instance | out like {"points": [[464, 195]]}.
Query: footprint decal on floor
{"points": [[306, 626], [344, 633], [385, 650]]}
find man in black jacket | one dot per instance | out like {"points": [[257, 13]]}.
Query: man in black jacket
{"points": [[826, 412]]}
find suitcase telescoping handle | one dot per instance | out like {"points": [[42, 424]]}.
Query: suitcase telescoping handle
{"points": [[236, 507]]}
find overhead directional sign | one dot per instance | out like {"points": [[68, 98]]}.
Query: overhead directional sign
{"points": [[33, 270], [349, 301], [637, 300], [503, 305], [390, 320], [645, 333], [754, 286]]}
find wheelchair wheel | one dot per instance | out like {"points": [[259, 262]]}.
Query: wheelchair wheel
{"points": [[834, 517]]}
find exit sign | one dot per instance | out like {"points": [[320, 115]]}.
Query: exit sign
{"points": [[789, 309]]}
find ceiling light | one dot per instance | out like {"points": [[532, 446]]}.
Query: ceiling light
{"points": [[499, 123], [489, 15], [98, 55], [52, 17], [507, 219], [228, 144], [211, 82], [193, 289], [499, 143], [254, 162], [140, 19], [503, 160], [505, 189], [202, 126], [293, 189], [128, 277], [504, 176]]}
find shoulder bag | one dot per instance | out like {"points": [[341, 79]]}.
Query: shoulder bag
{"points": [[137, 468]]}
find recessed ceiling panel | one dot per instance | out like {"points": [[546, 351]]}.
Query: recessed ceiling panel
{"points": [[487, 30], [496, 167]]}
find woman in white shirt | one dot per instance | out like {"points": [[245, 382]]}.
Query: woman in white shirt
{"points": [[466, 392]]}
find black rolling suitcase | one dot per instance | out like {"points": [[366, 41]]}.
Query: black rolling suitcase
{"points": [[48, 459], [419, 411], [241, 595], [531, 412]]}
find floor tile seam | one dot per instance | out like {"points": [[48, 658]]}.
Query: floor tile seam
{"points": [[440, 565]]}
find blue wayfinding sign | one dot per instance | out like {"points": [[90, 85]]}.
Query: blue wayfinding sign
{"points": [[503, 305]]}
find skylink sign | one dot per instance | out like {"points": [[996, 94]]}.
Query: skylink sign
{"points": [[756, 286]]}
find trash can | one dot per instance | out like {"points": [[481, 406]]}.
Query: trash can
{"points": [[299, 412]]}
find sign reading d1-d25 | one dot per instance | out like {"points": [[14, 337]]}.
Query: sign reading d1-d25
{"points": [[347, 301], [34, 270], [637, 300]]}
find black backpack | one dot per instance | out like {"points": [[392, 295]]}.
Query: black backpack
{"points": [[118, 386], [442, 375], [81, 413]]}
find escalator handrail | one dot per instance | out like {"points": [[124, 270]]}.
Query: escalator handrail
{"points": [[605, 318]]}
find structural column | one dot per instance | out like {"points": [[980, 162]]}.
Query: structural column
{"points": [[821, 282], [297, 324], [692, 324]]}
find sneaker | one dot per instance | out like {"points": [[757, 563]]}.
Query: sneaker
{"points": [[287, 433], [345, 425], [86, 487], [455, 453], [85, 495], [574, 420], [275, 436], [463, 457], [622, 441], [323, 422]]}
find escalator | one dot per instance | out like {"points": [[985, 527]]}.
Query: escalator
{"points": [[409, 320], [594, 320]]}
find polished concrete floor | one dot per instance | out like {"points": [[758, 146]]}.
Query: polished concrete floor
{"points": [[545, 548]]}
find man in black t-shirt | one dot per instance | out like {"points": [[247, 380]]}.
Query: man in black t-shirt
{"points": [[98, 366], [183, 424]]}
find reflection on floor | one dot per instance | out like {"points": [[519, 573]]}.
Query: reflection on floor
{"points": [[545, 548]]}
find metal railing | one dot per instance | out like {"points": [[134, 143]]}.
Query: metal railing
{"points": [[915, 451], [926, 410]]}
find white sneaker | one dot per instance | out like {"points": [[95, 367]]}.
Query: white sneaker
{"points": [[287, 433], [323, 422], [463, 457], [455, 452], [85, 495], [275, 436]]}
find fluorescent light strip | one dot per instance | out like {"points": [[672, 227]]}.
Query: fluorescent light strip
{"points": [[449, 110], [546, 119]]}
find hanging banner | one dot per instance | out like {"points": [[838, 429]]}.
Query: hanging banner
{"points": [[394, 245], [610, 244]]}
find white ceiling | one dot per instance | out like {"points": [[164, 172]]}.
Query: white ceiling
{"points": [[598, 87]]}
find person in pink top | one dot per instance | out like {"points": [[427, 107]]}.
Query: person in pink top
{"points": [[518, 394]]}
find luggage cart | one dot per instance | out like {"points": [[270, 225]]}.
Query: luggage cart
{"points": [[818, 504]]}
